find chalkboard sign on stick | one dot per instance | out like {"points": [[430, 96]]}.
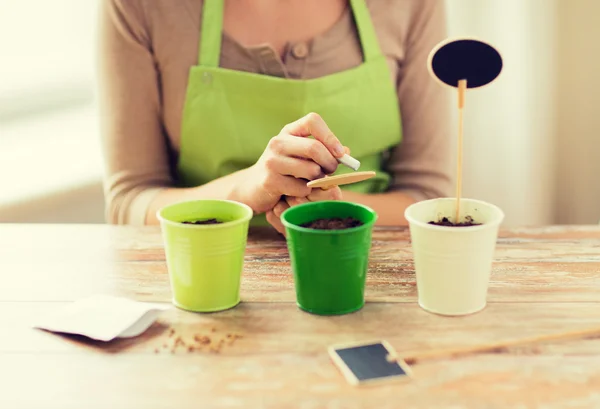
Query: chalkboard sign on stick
{"points": [[369, 363], [463, 63]]}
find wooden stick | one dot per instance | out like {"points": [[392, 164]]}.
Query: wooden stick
{"points": [[498, 346], [462, 87]]}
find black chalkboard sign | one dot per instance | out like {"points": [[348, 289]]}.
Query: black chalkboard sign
{"points": [[465, 59], [463, 63], [369, 363]]}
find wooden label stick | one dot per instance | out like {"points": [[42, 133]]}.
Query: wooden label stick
{"points": [[462, 87], [499, 345], [328, 182], [453, 63]]}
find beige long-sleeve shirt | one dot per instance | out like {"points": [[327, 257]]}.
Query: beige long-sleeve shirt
{"points": [[148, 46]]}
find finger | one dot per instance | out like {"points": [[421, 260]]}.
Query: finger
{"points": [[295, 201], [275, 222], [319, 195], [280, 207], [304, 148], [298, 168], [313, 125], [290, 186], [347, 149]]}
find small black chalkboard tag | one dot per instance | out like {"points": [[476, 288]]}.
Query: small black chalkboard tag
{"points": [[468, 59], [463, 63], [368, 363]]}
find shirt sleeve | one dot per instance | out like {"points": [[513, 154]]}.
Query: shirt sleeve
{"points": [[135, 149], [420, 164]]}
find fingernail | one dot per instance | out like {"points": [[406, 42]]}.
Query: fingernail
{"points": [[339, 150]]}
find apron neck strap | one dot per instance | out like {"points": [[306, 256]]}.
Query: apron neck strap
{"points": [[366, 31], [209, 51]]}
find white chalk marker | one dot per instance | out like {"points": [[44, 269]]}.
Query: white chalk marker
{"points": [[349, 161]]}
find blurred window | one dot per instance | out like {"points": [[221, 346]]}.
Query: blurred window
{"points": [[48, 120]]}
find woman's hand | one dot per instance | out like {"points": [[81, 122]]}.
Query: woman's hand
{"points": [[289, 161], [316, 195]]}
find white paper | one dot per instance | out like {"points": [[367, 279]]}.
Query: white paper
{"points": [[102, 318]]}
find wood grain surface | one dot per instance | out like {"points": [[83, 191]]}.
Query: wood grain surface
{"points": [[266, 353]]}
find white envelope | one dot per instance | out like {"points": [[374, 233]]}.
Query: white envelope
{"points": [[102, 318]]}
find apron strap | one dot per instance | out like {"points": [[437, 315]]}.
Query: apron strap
{"points": [[366, 31], [209, 51]]}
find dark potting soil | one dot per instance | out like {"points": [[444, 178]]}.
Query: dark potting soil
{"points": [[208, 221], [335, 223], [448, 223]]}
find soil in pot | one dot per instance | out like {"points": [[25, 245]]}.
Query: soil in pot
{"points": [[335, 223], [444, 221], [205, 221]]}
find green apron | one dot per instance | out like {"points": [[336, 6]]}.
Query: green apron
{"points": [[230, 116]]}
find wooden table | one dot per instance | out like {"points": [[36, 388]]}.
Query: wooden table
{"points": [[544, 280]]}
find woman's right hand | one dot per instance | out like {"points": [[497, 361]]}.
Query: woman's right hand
{"points": [[289, 161]]}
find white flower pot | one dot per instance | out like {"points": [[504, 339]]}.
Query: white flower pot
{"points": [[453, 264]]}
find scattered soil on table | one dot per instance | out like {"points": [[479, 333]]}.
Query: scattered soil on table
{"points": [[335, 223], [207, 221], [199, 342], [446, 222]]}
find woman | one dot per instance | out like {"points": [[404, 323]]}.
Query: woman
{"points": [[219, 98]]}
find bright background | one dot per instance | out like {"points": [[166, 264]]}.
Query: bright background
{"points": [[531, 138], [50, 163]]}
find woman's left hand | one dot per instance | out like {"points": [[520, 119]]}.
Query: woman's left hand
{"points": [[316, 195]]}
